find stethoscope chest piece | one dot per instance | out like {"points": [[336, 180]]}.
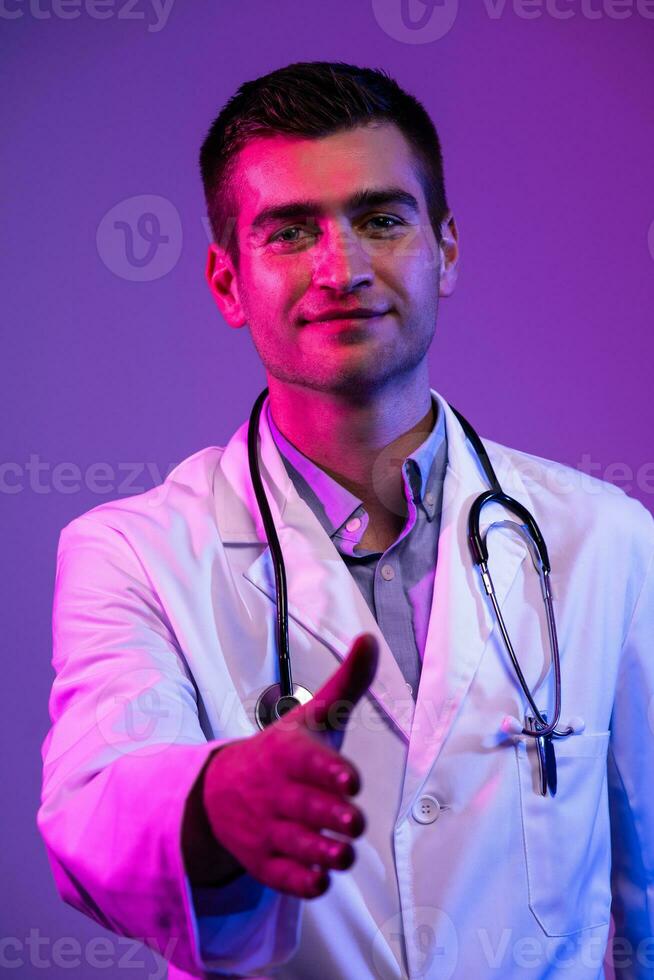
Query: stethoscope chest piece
{"points": [[271, 705], [277, 700]]}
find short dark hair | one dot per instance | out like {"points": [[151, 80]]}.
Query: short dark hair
{"points": [[314, 99]]}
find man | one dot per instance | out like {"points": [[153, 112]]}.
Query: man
{"points": [[392, 825]]}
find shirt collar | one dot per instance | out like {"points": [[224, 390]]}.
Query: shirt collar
{"points": [[333, 504], [424, 457]]}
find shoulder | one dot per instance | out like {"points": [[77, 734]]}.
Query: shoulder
{"points": [[578, 507], [184, 499]]}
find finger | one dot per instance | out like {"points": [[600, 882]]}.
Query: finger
{"points": [[345, 687], [331, 705], [319, 810], [286, 875], [309, 762], [308, 848]]}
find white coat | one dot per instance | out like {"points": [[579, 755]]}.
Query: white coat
{"points": [[164, 636]]}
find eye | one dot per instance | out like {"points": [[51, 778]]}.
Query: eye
{"points": [[283, 238], [277, 237], [395, 222]]}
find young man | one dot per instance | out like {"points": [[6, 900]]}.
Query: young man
{"points": [[168, 814]]}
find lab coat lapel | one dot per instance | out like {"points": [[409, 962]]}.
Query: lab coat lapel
{"points": [[322, 595], [325, 600], [460, 620]]}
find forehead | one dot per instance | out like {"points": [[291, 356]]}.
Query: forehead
{"points": [[278, 169]]}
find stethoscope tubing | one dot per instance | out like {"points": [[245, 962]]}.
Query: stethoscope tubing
{"points": [[479, 553], [283, 652]]}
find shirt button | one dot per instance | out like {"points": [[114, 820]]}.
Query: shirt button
{"points": [[429, 498], [387, 572], [353, 524], [426, 810]]}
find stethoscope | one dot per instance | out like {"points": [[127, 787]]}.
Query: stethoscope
{"points": [[279, 698]]}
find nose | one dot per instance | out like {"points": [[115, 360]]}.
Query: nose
{"points": [[340, 261]]}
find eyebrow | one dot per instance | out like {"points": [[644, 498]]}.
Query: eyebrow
{"points": [[369, 198]]}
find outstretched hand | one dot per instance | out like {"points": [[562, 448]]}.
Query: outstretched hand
{"points": [[268, 798]]}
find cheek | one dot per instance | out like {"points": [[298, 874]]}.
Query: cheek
{"points": [[277, 282], [413, 262], [411, 275], [422, 257]]}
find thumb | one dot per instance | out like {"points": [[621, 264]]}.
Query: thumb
{"points": [[332, 704]]}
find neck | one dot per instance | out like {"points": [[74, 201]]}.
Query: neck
{"points": [[360, 442]]}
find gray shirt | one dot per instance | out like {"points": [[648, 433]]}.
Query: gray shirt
{"points": [[397, 584]]}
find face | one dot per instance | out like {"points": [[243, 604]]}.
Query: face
{"points": [[338, 224]]}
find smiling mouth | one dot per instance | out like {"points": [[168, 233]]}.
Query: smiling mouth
{"points": [[347, 321]]}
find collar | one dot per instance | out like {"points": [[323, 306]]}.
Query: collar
{"points": [[334, 505], [237, 511], [324, 601]]}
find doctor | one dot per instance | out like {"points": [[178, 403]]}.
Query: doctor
{"points": [[392, 826]]}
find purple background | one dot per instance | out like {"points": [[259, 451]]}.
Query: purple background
{"points": [[547, 344]]}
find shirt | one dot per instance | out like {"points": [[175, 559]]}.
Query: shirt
{"points": [[397, 584]]}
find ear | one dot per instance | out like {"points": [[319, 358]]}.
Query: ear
{"points": [[222, 280], [449, 255]]}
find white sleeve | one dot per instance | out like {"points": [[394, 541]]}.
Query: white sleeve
{"points": [[631, 783], [123, 752]]}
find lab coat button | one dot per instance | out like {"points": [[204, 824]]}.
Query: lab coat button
{"points": [[426, 810], [353, 524], [387, 572]]}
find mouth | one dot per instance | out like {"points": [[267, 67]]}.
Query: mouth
{"points": [[347, 322]]}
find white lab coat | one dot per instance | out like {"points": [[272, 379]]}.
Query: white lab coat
{"points": [[164, 636]]}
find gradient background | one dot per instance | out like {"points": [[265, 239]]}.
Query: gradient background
{"points": [[546, 115]]}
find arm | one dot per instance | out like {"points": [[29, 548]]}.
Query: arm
{"points": [[123, 761], [206, 861], [631, 793]]}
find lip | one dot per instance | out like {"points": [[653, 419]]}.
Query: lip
{"points": [[355, 319], [347, 325]]}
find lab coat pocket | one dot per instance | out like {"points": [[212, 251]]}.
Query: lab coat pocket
{"points": [[567, 837]]}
